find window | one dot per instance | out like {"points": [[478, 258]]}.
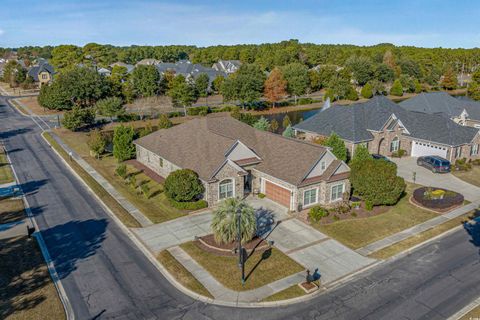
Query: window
{"points": [[44, 76], [394, 145], [458, 152], [336, 192], [310, 197], [323, 165], [160, 162], [474, 150], [225, 189]]}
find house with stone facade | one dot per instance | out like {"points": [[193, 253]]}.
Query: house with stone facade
{"points": [[42, 72], [233, 159], [462, 110], [386, 127]]}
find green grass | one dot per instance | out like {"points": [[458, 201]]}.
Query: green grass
{"points": [[357, 233], [289, 293], [260, 269], [419, 238], [157, 208], [114, 206], [177, 270], [6, 173], [11, 210], [471, 176], [27, 291]]}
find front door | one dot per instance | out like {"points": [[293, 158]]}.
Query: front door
{"points": [[248, 182]]}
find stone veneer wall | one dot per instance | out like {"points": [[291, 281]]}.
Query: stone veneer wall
{"points": [[227, 172], [152, 161]]}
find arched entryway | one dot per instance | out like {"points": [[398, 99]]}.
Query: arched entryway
{"points": [[381, 145]]}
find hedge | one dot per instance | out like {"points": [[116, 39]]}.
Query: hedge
{"points": [[194, 205], [450, 199]]}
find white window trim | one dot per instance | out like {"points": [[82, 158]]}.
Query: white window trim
{"points": [[232, 180], [341, 194], [323, 165], [474, 150], [312, 203], [395, 145]]}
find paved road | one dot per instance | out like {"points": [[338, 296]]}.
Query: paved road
{"points": [[106, 277]]}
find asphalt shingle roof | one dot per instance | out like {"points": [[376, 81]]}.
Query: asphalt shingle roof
{"points": [[201, 144], [354, 123]]}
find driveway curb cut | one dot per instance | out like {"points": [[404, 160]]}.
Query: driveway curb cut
{"points": [[46, 255]]}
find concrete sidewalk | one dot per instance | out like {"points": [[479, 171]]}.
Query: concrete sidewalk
{"points": [[419, 228], [220, 292], [127, 205]]}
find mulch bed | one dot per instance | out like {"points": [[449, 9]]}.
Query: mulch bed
{"points": [[444, 204], [443, 210], [149, 172], [357, 214], [209, 244]]}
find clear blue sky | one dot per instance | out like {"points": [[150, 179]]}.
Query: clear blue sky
{"points": [[427, 23]]}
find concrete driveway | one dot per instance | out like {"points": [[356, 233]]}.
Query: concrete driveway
{"points": [[407, 166]]}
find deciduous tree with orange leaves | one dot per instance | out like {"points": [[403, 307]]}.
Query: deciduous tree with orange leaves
{"points": [[275, 87]]}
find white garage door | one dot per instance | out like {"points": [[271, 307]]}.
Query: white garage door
{"points": [[425, 149]]}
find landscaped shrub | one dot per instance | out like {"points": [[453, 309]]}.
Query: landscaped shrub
{"points": [[369, 205], [183, 185], [78, 118], [398, 154], [97, 143], [376, 182], [123, 148], [261, 195], [127, 117], [145, 190], [462, 165], [121, 170], [476, 162], [164, 122], [317, 213], [191, 205], [433, 199]]}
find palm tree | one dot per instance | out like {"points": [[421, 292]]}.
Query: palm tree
{"points": [[225, 221]]}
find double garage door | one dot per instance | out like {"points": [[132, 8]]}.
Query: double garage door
{"points": [[420, 149], [278, 194]]}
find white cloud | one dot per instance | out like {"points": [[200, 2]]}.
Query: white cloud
{"points": [[2, 32]]}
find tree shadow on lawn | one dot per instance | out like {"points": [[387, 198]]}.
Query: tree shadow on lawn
{"points": [[74, 241], [22, 272], [265, 255]]}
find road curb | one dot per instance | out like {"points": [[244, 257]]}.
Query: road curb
{"points": [[46, 255]]}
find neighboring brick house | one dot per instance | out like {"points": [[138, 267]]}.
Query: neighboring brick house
{"points": [[385, 127], [233, 159], [462, 110], [42, 73]]}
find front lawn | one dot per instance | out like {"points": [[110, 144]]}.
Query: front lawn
{"points": [[32, 104], [293, 292], [157, 208], [472, 176], [356, 233], [27, 292], [6, 173], [260, 268]]}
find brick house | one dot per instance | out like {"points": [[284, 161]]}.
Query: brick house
{"points": [[461, 110], [385, 127], [233, 159], [42, 72]]}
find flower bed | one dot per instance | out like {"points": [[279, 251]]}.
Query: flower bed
{"points": [[437, 199]]}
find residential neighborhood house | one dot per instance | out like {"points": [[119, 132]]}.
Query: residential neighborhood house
{"points": [[462, 110], [227, 66], [189, 70], [233, 159], [386, 127], [42, 72]]}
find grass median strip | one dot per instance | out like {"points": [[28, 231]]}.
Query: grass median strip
{"points": [[116, 208], [293, 292], [27, 289], [260, 268], [6, 173], [419, 238], [182, 275]]}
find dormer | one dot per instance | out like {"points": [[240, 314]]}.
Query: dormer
{"points": [[323, 163]]}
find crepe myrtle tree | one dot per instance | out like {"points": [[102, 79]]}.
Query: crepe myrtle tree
{"points": [[225, 221]]}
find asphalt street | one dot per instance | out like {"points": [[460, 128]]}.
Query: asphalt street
{"points": [[107, 277]]}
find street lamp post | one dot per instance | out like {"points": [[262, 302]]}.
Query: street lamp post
{"points": [[241, 260]]}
